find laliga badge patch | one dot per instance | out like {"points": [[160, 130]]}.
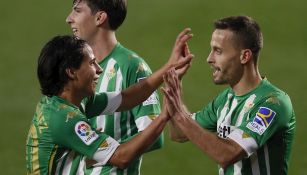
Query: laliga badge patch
{"points": [[85, 133], [262, 120]]}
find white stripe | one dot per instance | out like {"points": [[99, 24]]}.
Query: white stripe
{"points": [[237, 168], [57, 171], [221, 171], [103, 88], [117, 115], [128, 124], [141, 160], [119, 80], [227, 119], [117, 129], [81, 166], [142, 123], [105, 81], [247, 105], [100, 122], [114, 101], [267, 159], [68, 163], [254, 164], [224, 110], [96, 170], [113, 171]]}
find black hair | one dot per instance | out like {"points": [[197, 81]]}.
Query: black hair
{"points": [[115, 9], [60, 53], [247, 32]]}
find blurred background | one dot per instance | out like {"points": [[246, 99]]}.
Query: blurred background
{"points": [[150, 30]]}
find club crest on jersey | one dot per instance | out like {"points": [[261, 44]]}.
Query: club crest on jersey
{"points": [[85, 133], [111, 73], [262, 120]]}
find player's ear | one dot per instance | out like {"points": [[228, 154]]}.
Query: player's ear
{"points": [[246, 56], [71, 73], [100, 17]]}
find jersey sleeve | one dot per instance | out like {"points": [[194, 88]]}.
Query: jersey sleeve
{"points": [[150, 108], [102, 103], [265, 119], [207, 117], [71, 130]]}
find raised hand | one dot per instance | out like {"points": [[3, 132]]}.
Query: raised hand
{"points": [[172, 93], [181, 56]]}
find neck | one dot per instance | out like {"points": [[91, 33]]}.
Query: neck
{"points": [[69, 95], [103, 44], [250, 80]]}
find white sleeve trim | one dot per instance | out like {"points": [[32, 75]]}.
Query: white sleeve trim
{"points": [[143, 122], [248, 143], [114, 101], [193, 116], [104, 153]]}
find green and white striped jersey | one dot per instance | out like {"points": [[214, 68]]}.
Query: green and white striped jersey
{"points": [[121, 69], [262, 122], [60, 135]]}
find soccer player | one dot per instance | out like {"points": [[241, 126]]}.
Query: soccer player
{"points": [[96, 21], [249, 127], [60, 133]]}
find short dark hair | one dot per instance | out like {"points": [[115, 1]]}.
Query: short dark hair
{"points": [[60, 53], [246, 30], [115, 9]]}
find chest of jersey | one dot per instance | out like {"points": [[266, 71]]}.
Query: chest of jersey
{"points": [[233, 112]]}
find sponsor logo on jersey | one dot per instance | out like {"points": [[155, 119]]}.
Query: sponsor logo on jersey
{"points": [[224, 130], [262, 120], [85, 133], [152, 99]]}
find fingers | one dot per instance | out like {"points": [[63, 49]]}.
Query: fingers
{"points": [[181, 40], [186, 50], [182, 71], [186, 60], [183, 33]]}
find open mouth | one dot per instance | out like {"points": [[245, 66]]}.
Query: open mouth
{"points": [[74, 31], [215, 70]]}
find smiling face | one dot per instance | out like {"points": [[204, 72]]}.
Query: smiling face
{"points": [[224, 58], [88, 73], [82, 21]]}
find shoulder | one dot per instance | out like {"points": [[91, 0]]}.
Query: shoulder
{"points": [[274, 104], [273, 96], [127, 57]]}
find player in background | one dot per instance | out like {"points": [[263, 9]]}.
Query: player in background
{"points": [[249, 127], [96, 21]]}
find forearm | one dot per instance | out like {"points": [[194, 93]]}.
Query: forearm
{"points": [[156, 145], [128, 151], [223, 151], [140, 91], [175, 133]]}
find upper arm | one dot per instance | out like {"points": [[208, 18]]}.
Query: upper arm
{"points": [[207, 117], [266, 119], [76, 134], [103, 103]]}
